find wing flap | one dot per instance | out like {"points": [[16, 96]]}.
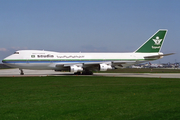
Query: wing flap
{"points": [[67, 65], [122, 64]]}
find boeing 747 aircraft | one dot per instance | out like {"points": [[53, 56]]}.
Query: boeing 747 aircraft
{"points": [[85, 63]]}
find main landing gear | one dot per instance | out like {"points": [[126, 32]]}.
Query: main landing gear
{"points": [[21, 72], [84, 73]]}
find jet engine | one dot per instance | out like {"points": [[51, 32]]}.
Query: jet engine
{"points": [[104, 67], [75, 68]]}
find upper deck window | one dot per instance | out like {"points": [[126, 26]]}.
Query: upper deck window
{"points": [[16, 52]]}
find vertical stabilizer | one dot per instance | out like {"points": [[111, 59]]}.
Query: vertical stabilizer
{"points": [[154, 43]]}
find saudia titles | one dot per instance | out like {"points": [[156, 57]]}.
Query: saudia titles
{"points": [[157, 41]]}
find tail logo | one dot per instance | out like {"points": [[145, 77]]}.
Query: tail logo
{"points": [[157, 41]]}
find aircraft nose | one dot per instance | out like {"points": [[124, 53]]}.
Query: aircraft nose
{"points": [[4, 60], [8, 62]]}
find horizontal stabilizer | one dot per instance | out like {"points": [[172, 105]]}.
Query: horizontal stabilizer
{"points": [[122, 62], [95, 63], [158, 56]]}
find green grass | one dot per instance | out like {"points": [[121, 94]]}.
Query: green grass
{"points": [[88, 97]]}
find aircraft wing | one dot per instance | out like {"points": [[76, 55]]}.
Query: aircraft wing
{"points": [[68, 65], [121, 64], [86, 66], [158, 56], [95, 65], [113, 63]]}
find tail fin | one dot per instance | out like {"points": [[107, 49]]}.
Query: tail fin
{"points": [[154, 43]]}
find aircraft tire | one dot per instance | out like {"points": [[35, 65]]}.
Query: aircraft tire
{"points": [[87, 73]]}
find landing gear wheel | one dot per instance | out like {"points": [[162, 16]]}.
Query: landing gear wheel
{"points": [[21, 72], [87, 73], [84, 73], [77, 73]]}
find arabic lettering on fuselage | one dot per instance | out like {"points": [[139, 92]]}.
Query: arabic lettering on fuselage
{"points": [[60, 56], [70, 56]]}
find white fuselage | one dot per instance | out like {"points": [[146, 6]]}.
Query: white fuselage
{"points": [[37, 59]]}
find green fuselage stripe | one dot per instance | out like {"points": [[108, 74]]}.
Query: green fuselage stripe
{"points": [[77, 59]]}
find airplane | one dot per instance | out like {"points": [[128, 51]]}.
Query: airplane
{"points": [[85, 63], [155, 65], [136, 66], [171, 65]]}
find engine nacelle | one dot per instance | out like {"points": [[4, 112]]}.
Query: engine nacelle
{"points": [[104, 67], [75, 68]]}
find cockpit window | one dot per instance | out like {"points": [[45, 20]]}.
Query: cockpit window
{"points": [[16, 52]]}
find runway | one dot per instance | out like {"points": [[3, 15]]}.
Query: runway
{"points": [[31, 73], [150, 75]]}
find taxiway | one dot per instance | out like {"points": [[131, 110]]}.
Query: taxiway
{"points": [[29, 73]]}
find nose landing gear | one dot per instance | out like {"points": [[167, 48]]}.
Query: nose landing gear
{"points": [[21, 72]]}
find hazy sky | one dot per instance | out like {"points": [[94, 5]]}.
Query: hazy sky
{"points": [[88, 25]]}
